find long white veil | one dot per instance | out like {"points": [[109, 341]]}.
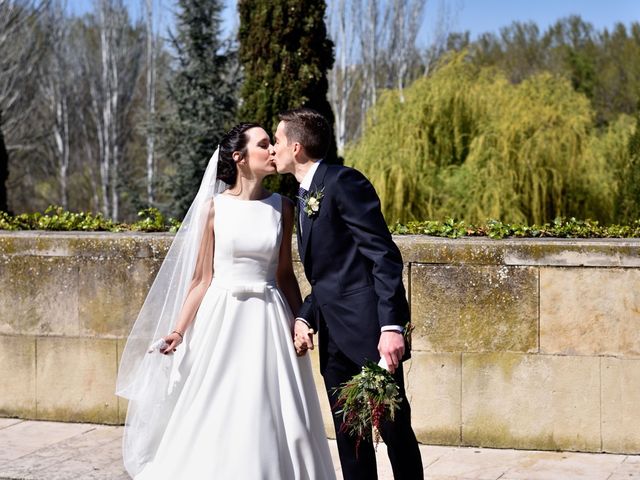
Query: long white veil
{"points": [[152, 381]]}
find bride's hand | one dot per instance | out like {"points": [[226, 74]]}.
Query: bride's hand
{"points": [[173, 340], [302, 338]]}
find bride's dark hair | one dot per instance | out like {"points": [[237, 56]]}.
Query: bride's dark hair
{"points": [[235, 140]]}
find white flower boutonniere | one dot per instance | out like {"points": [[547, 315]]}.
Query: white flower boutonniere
{"points": [[311, 202]]}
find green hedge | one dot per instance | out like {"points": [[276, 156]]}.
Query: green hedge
{"points": [[151, 220]]}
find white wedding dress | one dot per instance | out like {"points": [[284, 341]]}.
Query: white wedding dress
{"points": [[248, 409]]}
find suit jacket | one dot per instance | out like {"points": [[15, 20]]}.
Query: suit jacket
{"points": [[352, 264]]}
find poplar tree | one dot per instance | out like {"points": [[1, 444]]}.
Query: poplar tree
{"points": [[286, 56], [202, 96]]}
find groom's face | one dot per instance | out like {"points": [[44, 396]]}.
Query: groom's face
{"points": [[283, 151]]}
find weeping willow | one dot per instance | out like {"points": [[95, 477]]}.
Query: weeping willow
{"points": [[469, 144]]}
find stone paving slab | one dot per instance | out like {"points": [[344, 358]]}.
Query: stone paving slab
{"points": [[35, 450]]}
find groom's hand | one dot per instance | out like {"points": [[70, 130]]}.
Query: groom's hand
{"points": [[391, 347], [302, 337]]}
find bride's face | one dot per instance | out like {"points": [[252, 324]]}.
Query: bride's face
{"points": [[258, 158]]}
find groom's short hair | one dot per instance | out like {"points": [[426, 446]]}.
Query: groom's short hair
{"points": [[309, 128]]}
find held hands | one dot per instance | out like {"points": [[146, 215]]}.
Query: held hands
{"points": [[391, 348], [302, 337], [173, 340]]}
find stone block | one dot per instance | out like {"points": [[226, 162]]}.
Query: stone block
{"points": [[122, 402], [621, 405], [467, 308], [322, 393], [76, 379], [305, 288], [18, 360], [541, 402], [38, 295], [433, 390], [590, 311], [111, 294]]}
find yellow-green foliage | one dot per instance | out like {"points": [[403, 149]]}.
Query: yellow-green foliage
{"points": [[469, 144]]}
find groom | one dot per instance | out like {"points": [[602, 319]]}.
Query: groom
{"points": [[357, 302]]}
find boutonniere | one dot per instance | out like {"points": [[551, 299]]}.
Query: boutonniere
{"points": [[311, 202]]}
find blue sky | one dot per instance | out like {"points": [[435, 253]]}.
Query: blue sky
{"points": [[477, 16]]}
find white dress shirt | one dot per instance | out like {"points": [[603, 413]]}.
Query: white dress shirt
{"points": [[306, 181]]}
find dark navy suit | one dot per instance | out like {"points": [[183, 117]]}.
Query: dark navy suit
{"points": [[355, 271]]}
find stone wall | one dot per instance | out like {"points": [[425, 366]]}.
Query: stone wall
{"points": [[518, 343]]}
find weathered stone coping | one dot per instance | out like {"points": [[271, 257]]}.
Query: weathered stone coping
{"points": [[557, 252]]}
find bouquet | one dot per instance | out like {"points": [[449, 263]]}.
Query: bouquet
{"points": [[365, 401]]}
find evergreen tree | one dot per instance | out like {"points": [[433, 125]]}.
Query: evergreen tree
{"points": [[286, 55], [202, 95]]}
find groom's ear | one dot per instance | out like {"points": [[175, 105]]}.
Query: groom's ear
{"points": [[297, 149]]}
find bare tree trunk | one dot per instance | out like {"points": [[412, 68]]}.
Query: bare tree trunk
{"points": [[4, 171], [21, 49], [55, 87], [151, 101], [445, 18], [120, 50], [370, 32], [406, 21], [105, 107], [342, 74]]}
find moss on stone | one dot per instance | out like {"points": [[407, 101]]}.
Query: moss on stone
{"points": [[439, 436], [107, 414], [7, 245], [491, 431]]}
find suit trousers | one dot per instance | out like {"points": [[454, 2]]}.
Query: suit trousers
{"points": [[398, 435]]}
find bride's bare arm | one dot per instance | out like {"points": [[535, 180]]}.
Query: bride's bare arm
{"points": [[285, 277], [200, 282]]}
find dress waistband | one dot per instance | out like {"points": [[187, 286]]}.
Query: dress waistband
{"points": [[244, 288]]}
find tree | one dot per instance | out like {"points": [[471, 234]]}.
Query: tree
{"points": [[151, 54], [344, 73], [110, 63], [4, 171], [286, 56], [21, 47], [56, 88], [202, 97], [470, 144], [406, 18], [629, 194]]}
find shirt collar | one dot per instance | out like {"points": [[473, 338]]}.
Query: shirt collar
{"points": [[306, 181]]}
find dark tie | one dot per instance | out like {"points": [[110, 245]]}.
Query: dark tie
{"points": [[301, 194]]}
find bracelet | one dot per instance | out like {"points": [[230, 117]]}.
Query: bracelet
{"points": [[181, 335]]}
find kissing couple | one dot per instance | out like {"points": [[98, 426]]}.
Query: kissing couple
{"points": [[231, 394]]}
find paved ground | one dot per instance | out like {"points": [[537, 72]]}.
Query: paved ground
{"points": [[61, 451]]}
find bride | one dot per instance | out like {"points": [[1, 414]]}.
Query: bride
{"points": [[224, 396]]}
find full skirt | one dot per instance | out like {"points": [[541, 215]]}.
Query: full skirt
{"points": [[248, 408]]}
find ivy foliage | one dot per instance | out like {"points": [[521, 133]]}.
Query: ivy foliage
{"points": [[559, 228], [57, 219], [151, 220]]}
